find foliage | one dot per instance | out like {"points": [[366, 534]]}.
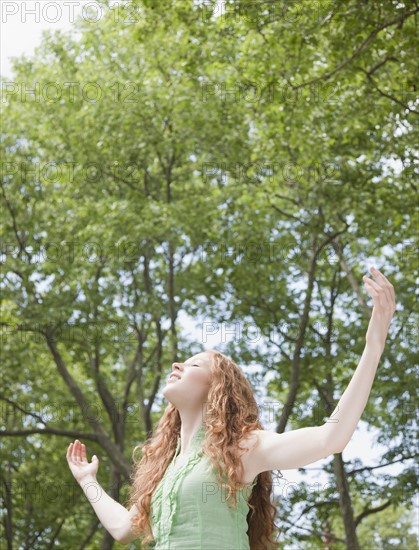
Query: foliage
{"points": [[242, 169]]}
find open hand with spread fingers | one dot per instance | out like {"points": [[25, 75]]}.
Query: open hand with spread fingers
{"points": [[384, 305], [77, 461]]}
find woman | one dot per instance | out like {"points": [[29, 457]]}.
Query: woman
{"points": [[204, 481]]}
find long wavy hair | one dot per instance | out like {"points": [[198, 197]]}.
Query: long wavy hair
{"points": [[231, 413]]}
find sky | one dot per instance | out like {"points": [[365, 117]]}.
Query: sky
{"points": [[22, 25]]}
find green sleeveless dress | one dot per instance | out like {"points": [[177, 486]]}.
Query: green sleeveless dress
{"points": [[189, 511]]}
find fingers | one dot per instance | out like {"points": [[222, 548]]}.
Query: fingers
{"points": [[377, 291], [388, 287], [69, 451], [72, 451], [385, 283], [371, 285], [76, 451], [381, 286], [382, 279], [83, 452]]}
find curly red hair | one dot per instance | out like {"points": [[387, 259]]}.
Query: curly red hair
{"points": [[231, 414]]}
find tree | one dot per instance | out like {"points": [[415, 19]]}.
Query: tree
{"points": [[190, 157]]}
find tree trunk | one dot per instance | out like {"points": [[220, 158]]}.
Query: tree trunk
{"points": [[345, 503]]}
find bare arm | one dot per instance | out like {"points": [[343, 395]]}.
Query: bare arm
{"points": [[292, 449], [297, 448], [113, 516], [344, 419]]}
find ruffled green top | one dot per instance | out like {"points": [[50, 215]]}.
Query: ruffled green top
{"points": [[190, 512]]}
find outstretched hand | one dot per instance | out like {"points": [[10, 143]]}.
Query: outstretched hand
{"points": [[77, 461], [384, 300]]}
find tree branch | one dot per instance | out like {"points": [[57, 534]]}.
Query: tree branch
{"points": [[356, 52], [112, 450], [368, 511], [55, 431]]}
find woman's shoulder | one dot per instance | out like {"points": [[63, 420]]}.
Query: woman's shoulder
{"points": [[248, 444], [251, 437], [250, 441]]}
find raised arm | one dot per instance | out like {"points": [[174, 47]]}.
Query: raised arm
{"points": [[344, 419], [297, 448], [112, 515]]}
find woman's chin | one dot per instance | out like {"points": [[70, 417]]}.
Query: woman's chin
{"points": [[167, 386]]}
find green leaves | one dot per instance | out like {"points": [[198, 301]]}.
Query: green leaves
{"points": [[241, 169]]}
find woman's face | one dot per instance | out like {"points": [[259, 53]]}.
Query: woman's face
{"points": [[191, 385]]}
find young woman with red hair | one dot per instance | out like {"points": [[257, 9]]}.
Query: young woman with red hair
{"points": [[204, 481]]}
